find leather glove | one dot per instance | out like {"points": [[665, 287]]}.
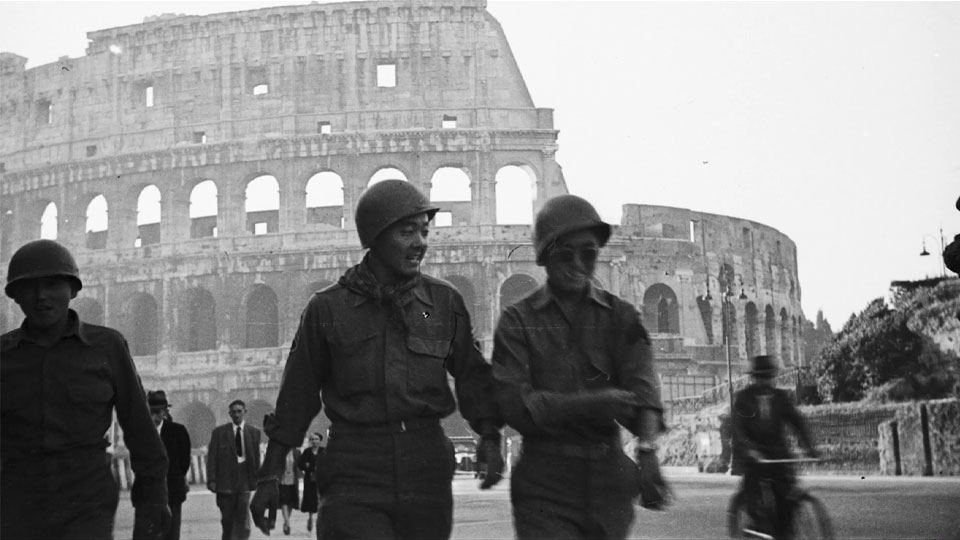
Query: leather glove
{"points": [[151, 521], [265, 499], [490, 450], [655, 494]]}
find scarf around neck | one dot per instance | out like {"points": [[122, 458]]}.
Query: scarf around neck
{"points": [[361, 280]]}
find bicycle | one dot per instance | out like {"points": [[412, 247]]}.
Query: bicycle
{"points": [[809, 516]]}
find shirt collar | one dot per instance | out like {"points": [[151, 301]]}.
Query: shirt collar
{"points": [[160, 427], [75, 327], [544, 296]]}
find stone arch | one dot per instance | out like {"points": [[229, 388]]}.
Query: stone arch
{"points": [[451, 187], [198, 419], [661, 311], [324, 199], [515, 288], [88, 309], [465, 287], [149, 216], [142, 323], [203, 209], [96, 222], [770, 330], [198, 321], [256, 410], [261, 321], [262, 205], [785, 341], [386, 173], [750, 323], [49, 222], [516, 190]]}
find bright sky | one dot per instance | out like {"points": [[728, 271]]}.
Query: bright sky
{"points": [[836, 123]]}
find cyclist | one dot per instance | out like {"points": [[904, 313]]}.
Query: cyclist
{"points": [[761, 411]]}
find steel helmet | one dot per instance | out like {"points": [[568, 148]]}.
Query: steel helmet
{"points": [[386, 203], [42, 258], [561, 215]]}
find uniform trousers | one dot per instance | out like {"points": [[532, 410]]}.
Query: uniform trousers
{"points": [[386, 485], [561, 494], [68, 497]]}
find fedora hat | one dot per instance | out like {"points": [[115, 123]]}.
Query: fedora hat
{"points": [[157, 398], [763, 366]]}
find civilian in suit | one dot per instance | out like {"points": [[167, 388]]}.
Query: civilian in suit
{"points": [[176, 441], [233, 458]]}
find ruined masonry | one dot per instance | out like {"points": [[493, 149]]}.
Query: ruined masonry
{"points": [[204, 169]]}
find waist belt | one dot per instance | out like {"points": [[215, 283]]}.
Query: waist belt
{"points": [[571, 450], [399, 426]]}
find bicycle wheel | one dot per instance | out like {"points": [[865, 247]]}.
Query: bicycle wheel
{"points": [[739, 522], [810, 519]]}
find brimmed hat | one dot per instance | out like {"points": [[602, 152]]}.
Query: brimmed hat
{"points": [[157, 398], [763, 366]]}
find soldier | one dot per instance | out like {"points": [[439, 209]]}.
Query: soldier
{"points": [[376, 350], [61, 381], [572, 363]]}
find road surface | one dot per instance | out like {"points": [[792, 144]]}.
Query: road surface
{"points": [[861, 508]]}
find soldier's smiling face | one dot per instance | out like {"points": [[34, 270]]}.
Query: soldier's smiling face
{"points": [[572, 259], [397, 252], [45, 301]]}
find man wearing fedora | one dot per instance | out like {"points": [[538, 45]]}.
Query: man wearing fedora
{"points": [[176, 440], [761, 413]]}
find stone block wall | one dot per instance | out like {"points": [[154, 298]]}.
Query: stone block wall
{"points": [[944, 433]]}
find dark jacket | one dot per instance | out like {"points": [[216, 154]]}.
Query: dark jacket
{"points": [[761, 415], [177, 442], [222, 466]]}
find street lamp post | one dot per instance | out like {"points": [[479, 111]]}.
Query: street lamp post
{"points": [[924, 253]]}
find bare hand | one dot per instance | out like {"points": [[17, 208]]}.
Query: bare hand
{"points": [[263, 505]]}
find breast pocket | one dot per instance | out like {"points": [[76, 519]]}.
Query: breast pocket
{"points": [[89, 403], [426, 369], [354, 366]]}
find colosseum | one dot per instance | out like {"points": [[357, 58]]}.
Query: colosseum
{"points": [[204, 171]]}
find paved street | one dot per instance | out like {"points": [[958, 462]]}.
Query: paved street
{"points": [[868, 508]]}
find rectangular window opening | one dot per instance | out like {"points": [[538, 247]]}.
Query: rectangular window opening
{"points": [[138, 242], [200, 137], [324, 128], [449, 122], [693, 231], [261, 89], [91, 150], [148, 95], [260, 228], [443, 219], [386, 75], [746, 237], [45, 112]]}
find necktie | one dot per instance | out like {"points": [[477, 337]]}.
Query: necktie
{"points": [[239, 441]]}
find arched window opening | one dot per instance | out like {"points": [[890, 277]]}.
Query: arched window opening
{"points": [[199, 421], [786, 339], [751, 329], [148, 216], [451, 187], [661, 312], [466, 290], [516, 191], [49, 222], [198, 321], [386, 173], [325, 199], [263, 205], [143, 324], [262, 326], [516, 288], [97, 223], [203, 210], [89, 310]]}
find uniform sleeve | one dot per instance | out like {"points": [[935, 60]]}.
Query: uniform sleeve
{"points": [[472, 375], [525, 409], [299, 399], [148, 458], [634, 360]]}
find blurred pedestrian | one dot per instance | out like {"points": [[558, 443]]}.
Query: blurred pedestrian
{"points": [[61, 380], [176, 440], [290, 487], [572, 363], [233, 458], [309, 458], [377, 349]]}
